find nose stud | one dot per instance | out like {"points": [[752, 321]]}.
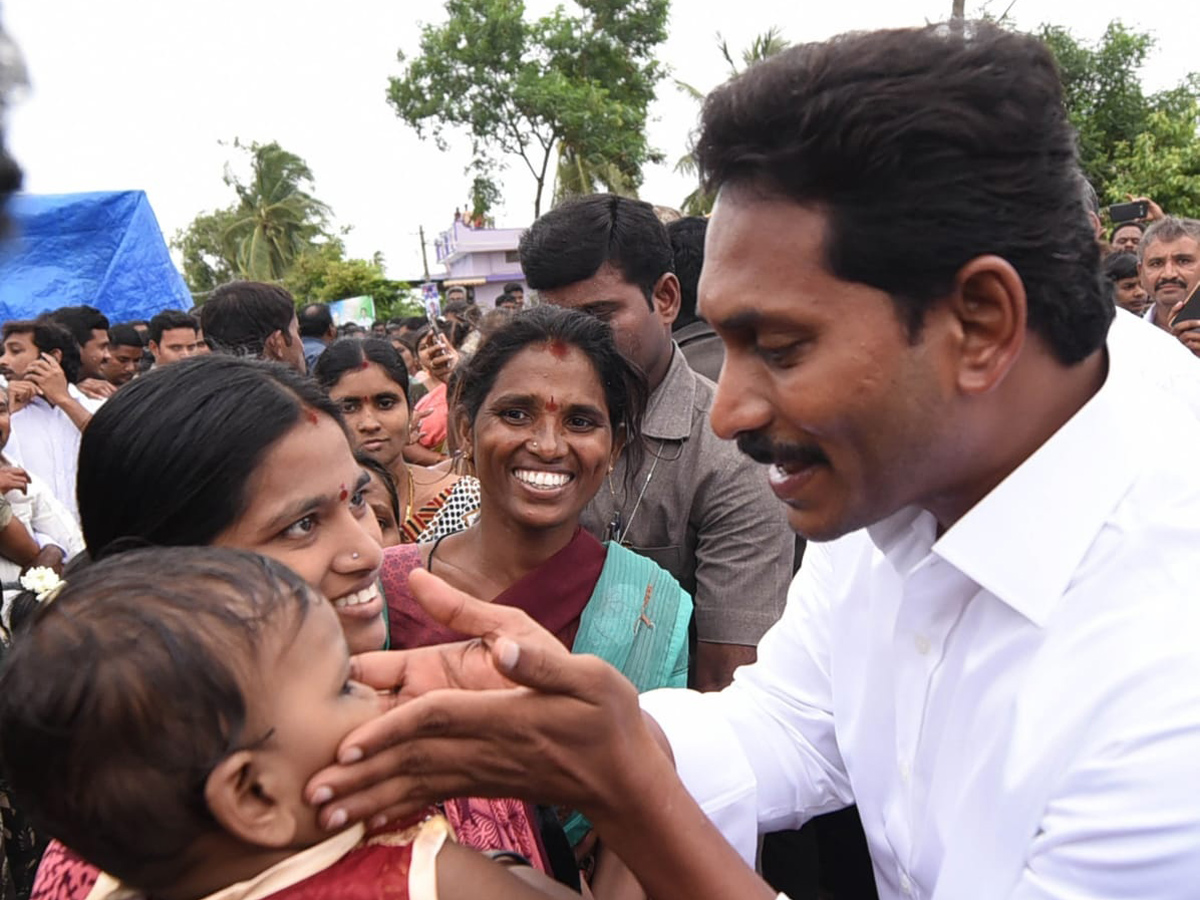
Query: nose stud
{"points": [[354, 555]]}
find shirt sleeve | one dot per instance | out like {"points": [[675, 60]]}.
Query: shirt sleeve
{"points": [[744, 552], [51, 523], [762, 754]]}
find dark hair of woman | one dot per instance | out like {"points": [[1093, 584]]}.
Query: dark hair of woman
{"points": [[346, 354], [167, 459], [378, 469], [625, 390]]}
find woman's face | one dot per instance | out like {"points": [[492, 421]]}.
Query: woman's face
{"points": [[376, 411], [541, 440], [379, 499], [305, 507]]}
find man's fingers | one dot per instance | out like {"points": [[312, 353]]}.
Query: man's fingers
{"points": [[460, 611], [383, 670]]}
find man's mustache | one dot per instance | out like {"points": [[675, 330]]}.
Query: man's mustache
{"points": [[761, 449], [1162, 284]]}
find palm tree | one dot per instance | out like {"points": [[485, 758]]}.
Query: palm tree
{"points": [[276, 218], [764, 46], [577, 174]]}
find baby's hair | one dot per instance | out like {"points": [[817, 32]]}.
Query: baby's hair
{"points": [[127, 689]]}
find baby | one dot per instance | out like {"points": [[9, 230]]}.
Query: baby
{"points": [[161, 716]]}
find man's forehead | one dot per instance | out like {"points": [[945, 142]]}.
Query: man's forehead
{"points": [[1159, 247]]}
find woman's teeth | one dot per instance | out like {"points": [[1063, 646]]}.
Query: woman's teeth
{"points": [[539, 479], [366, 595]]}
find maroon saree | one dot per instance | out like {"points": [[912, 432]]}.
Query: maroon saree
{"points": [[553, 595]]}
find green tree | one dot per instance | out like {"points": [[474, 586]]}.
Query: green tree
{"points": [[202, 246], [578, 84], [276, 218], [764, 46], [322, 274], [1129, 142]]}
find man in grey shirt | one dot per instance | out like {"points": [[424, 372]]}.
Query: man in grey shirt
{"points": [[696, 506]]}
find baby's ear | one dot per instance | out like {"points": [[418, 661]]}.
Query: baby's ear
{"points": [[244, 798]]}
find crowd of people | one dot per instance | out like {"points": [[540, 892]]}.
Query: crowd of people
{"points": [[517, 603]]}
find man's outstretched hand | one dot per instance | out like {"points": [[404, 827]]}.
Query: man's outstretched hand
{"points": [[511, 713]]}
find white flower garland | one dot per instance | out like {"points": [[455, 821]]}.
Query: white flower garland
{"points": [[42, 581]]}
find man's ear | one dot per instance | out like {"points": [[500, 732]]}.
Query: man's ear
{"points": [[990, 310], [154, 349], [666, 298], [57, 354], [273, 346], [245, 800]]}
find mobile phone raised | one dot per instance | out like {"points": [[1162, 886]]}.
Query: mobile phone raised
{"points": [[1191, 306], [1128, 212]]}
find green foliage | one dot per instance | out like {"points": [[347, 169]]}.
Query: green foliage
{"points": [[322, 274], [581, 84], [1130, 142], [277, 231], [202, 246], [276, 218], [699, 202]]}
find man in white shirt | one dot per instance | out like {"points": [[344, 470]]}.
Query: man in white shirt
{"points": [[41, 363], [992, 647], [1169, 268]]}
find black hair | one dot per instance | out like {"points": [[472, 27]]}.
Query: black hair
{"points": [[347, 354], [924, 148], [186, 439], [81, 321], [514, 286], [389, 481], [687, 247], [315, 320], [111, 753], [168, 320], [238, 317], [1128, 223], [505, 299], [125, 335], [1119, 266], [414, 323], [625, 388], [48, 335], [570, 243]]}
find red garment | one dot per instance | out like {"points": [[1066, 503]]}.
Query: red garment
{"points": [[378, 867], [554, 595]]}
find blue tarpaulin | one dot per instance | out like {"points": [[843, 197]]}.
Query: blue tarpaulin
{"points": [[104, 249]]}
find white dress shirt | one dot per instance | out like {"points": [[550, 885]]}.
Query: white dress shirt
{"points": [[47, 521], [45, 442], [1014, 706], [1155, 358]]}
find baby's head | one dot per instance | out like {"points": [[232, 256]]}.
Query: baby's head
{"points": [[168, 707]]}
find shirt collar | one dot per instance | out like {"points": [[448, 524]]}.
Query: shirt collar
{"points": [[1025, 540], [669, 413]]}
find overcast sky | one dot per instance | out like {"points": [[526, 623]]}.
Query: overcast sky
{"points": [[139, 93]]}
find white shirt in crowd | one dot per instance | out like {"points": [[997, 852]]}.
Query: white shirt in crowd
{"points": [[1015, 705], [45, 442], [47, 520]]}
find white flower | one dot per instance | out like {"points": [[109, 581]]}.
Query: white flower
{"points": [[42, 581]]}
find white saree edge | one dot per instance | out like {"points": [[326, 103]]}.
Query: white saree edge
{"points": [[422, 873]]}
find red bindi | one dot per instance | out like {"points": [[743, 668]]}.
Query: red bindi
{"points": [[365, 363], [559, 348], [311, 415], [344, 494], [552, 406]]}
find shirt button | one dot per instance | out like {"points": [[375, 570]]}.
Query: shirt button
{"points": [[906, 887], [922, 644]]}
